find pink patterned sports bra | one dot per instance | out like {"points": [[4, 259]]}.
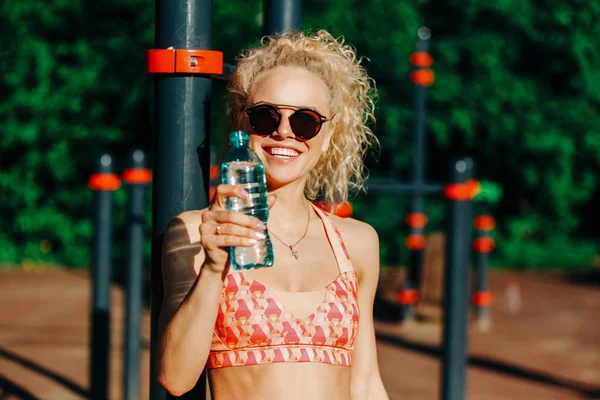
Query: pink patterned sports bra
{"points": [[253, 327]]}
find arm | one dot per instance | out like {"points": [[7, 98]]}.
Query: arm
{"points": [[195, 260], [366, 383], [189, 308]]}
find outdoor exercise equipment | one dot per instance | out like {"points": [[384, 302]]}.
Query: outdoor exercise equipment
{"points": [[104, 182], [181, 99], [183, 65], [459, 195], [483, 244], [137, 177]]}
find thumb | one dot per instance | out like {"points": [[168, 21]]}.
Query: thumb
{"points": [[272, 198]]}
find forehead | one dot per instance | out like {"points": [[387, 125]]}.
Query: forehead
{"points": [[291, 86]]}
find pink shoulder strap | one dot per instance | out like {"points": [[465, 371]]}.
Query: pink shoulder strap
{"points": [[335, 239]]}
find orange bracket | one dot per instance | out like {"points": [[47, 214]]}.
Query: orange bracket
{"points": [[184, 61], [416, 242], [463, 191], [421, 59], [104, 181], [408, 296], [484, 244], [485, 223], [140, 176], [483, 299], [416, 220], [423, 77]]}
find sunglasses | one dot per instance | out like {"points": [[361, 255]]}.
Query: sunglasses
{"points": [[305, 123]]}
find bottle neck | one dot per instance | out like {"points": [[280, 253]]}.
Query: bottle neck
{"points": [[236, 144]]}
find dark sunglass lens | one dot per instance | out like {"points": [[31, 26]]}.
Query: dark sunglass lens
{"points": [[264, 119], [305, 124]]}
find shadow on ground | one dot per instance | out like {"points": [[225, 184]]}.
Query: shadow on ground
{"points": [[13, 389], [497, 367], [9, 390], [586, 277]]}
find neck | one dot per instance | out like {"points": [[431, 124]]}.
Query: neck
{"points": [[289, 214]]}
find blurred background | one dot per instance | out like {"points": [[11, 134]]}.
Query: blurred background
{"points": [[517, 88]]}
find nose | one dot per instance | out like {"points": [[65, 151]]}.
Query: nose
{"points": [[284, 130]]}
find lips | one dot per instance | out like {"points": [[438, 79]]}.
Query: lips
{"points": [[281, 152]]}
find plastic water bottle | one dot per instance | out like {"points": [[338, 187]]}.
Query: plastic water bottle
{"points": [[243, 168]]}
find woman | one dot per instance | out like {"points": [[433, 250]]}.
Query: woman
{"points": [[302, 329]]}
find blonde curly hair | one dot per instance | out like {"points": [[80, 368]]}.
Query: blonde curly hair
{"points": [[341, 169]]}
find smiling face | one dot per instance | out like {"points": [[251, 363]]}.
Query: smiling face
{"points": [[286, 157]]}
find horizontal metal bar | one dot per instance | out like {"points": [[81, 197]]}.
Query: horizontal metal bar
{"points": [[392, 186], [227, 72]]}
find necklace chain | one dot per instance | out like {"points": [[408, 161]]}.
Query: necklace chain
{"points": [[294, 253]]}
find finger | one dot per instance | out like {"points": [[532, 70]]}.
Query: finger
{"points": [[224, 191], [237, 230], [271, 198], [233, 241], [215, 235], [233, 217]]}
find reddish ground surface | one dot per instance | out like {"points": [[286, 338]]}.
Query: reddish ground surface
{"points": [[549, 349]]}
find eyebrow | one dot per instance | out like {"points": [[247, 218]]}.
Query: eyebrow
{"points": [[284, 105]]}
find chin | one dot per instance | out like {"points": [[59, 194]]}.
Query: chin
{"points": [[279, 179]]}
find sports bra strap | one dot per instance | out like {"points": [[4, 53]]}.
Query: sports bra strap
{"points": [[335, 239]]}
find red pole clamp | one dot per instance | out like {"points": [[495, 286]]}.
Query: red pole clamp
{"points": [[483, 299], [416, 242], [421, 59], [416, 220], [423, 77], [484, 244], [485, 223], [140, 176], [104, 181], [184, 61], [408, 296], [462, 191]]}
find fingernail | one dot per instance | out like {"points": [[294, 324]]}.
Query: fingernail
{"points": [[261, 226], [245, 194], [261, 235], [252, 241]]}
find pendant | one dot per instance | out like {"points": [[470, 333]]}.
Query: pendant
{"points": [[294, 252]]}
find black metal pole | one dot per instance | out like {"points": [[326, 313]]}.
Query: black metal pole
{"points": [[483, 245], [389, 186], [104, 182], [456, 293], [281, 15], [181, 144], [416, 246], [137, 178]]}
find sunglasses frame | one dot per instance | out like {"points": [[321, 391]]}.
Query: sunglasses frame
{"points": [[277, 107]]}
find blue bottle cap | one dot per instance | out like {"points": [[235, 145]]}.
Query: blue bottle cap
{"points": [[238, 138]]}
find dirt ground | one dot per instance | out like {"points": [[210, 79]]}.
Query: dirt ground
{"points": [[544, 342]]}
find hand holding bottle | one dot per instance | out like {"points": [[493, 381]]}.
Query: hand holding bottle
{"points": [[222, 228]]}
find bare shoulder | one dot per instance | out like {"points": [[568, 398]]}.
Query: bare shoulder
{"points": [[362, 243], [185, 226]]}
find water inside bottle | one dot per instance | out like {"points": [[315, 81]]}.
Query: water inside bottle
{"points": [[250, 176]]}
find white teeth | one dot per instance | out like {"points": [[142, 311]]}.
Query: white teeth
{"points": [[281, 151]]}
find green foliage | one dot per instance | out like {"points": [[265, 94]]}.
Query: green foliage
{"points": [[517, 88], [72, 89], [490, 193]]}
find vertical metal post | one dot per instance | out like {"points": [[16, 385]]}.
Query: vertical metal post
{"points": [[104, 182], [417, 220], [137, 178], [281, 15], [181, 144], [483, 244], [456, 293]]}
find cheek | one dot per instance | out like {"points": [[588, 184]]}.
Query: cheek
{"points": [[254, 143]]}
